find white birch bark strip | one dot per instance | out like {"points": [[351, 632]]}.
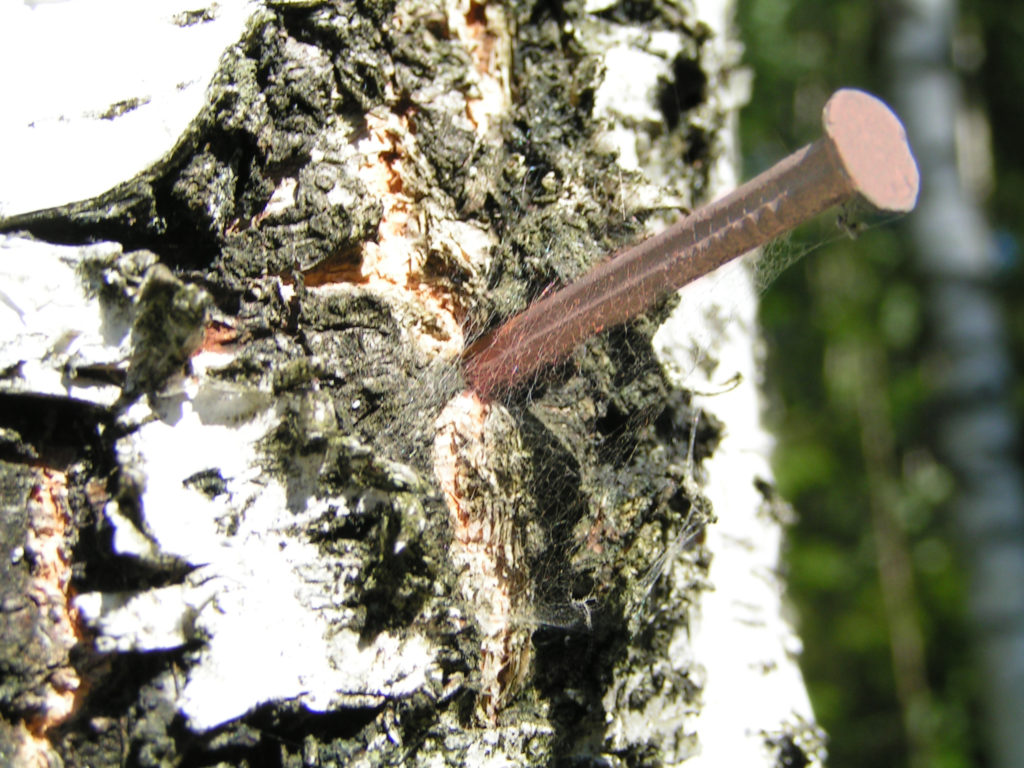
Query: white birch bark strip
{"points": [[94, 91], [754, 698]]}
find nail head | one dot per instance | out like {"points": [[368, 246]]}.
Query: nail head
{"points": [[873, 149]]}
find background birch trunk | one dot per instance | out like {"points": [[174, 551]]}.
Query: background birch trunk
{"points": [[957, 256], [253, 518]]}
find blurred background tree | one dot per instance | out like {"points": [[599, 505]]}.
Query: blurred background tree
{"points": [[890, 368]]}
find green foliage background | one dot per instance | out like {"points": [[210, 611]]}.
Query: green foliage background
{"points": [[852, 402]]}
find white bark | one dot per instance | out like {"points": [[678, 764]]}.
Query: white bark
{"points": [[76, 119], [740, 637]]}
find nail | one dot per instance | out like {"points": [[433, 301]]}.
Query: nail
{"points": [[864, 153]]}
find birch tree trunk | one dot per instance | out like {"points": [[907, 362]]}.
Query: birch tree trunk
{"points": [[977, 433], [252, 516]]}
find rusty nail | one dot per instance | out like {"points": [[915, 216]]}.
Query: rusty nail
{"points": [[864, 153]]}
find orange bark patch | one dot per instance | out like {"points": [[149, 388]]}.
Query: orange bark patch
{"points": [[50, 590], [482, 29], [483, 546], [460, 426], [217, 337], [393, 266], [484, 41]]}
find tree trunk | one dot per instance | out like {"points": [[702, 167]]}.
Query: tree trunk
{"points": [[976, 430], [249, 502]]}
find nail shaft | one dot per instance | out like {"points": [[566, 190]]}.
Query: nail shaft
{"points": [[864, 153]]}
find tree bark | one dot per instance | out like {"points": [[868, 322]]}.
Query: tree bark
{"points": [[284, 532]]}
